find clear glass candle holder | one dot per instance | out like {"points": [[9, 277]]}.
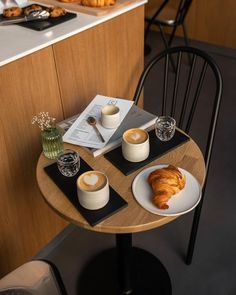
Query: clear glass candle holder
{"points": [[165, 127], [68, 163]]}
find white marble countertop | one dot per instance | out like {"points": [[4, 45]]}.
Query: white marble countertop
{"points": [[16, 41]]}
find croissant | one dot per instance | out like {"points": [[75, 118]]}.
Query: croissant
{"points": [[165, 183], [97, 3]]}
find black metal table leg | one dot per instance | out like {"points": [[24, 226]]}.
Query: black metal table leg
{"points": [[124, 259]]}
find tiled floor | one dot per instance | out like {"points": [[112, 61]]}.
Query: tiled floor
{"points": [[213, 270]]}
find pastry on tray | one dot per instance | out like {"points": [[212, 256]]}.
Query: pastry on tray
{"points": [[17, 11], [97, 3], [69, 1], [12, 11], [34, 7], [165, 183], [57, 11]]}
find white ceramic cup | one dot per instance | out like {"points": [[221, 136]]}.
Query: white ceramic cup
{"points": [[135, 145], [110, 116], [93, 190]]}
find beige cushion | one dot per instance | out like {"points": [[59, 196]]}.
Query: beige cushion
{"points": [[34, 277]]}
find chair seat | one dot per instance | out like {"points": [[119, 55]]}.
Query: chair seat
{"points": [[166, 17], [34, 277], [167, 22]]}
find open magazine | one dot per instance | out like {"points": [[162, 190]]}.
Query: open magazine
{"points": [[136, 117], [83, 134]]}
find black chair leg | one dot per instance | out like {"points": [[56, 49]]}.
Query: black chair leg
{"points": [[172, 36], [147, 48], [163, 37], [185, 35], [150, 22], [167, 43], [193, 235]]}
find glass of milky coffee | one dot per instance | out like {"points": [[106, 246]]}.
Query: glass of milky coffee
{"points": [[93, 190], [135, 145]]}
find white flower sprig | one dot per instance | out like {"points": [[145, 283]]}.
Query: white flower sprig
{"points": [[43, 120]]}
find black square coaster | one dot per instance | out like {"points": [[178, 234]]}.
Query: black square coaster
{"points": [[157, 149], [69, 188]]}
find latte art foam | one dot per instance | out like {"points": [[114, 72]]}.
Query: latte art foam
{"points": [[92, 181], [135, 136]]}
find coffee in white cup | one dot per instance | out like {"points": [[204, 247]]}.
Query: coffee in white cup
{"points": [[110, 116], [93, 190], [135, 145]]}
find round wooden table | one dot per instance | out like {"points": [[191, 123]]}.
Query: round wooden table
{"points": [[129, 220]]}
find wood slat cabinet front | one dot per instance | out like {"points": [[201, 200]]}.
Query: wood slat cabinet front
{"points": [[28, 86], [60, 79], [107, 59]]}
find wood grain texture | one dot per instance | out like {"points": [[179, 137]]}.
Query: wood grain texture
{"points": [[28, 86], [106, 59], [208, 21], [133, 218]]}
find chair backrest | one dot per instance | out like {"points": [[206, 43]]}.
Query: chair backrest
{"points": [[183, 92], [181, 12], [33, 278]]}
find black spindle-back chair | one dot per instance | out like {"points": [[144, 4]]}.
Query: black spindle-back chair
{"points": [[185, 97]]}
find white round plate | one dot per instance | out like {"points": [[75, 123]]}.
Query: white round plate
{"points": [[180, 203]]}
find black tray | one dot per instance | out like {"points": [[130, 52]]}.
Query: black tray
{"points": [[39, 25], [68, 186], [157, 149]]}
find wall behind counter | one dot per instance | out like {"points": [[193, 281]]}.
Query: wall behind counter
{"points": [[212, 21]]}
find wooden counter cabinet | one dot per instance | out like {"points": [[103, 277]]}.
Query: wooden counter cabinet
{"points": [[60, 79], [106, 59], [28, 86]]}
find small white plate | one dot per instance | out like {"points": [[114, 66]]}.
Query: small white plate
{"points": [[180, 203]]}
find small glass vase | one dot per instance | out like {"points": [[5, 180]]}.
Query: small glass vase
{"points": [[52, 142]]}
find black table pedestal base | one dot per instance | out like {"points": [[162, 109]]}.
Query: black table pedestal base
{"points": [[148, 275]]}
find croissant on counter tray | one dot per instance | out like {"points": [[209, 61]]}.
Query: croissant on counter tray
{"points": [[97, 3], [165, 183]]}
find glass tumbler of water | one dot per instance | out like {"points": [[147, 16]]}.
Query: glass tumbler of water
{"points": [[68, 162], [165, 127]]}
